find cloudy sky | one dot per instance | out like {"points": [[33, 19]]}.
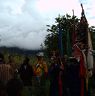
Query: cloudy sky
{"points": [[23, 22]]}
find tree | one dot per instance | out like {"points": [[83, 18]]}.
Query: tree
{"points": [[67, 23]]}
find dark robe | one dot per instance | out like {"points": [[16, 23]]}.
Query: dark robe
{"points": [[71, 79], [55, 80], [26, 74]]}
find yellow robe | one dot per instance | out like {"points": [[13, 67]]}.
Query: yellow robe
{"points": [[40, 67]]}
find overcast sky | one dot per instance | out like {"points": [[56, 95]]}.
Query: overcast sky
{"points": [[23, 22]]}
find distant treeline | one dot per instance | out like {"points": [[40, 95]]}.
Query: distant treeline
{"points": [[15, 50]]}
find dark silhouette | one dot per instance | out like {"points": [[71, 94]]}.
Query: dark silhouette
{"points": [[26, 72], [71, 78], [14, 86], [56, 70], [6, 72], [3, 91]]}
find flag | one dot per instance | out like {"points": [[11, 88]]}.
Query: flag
{"points": [[60, 45], [89, 59], [82, 29], [80, 56], [89, 55], [82, 37], [69, 48], [74, 36]]}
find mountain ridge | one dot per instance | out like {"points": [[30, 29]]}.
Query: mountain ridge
{"points": [[16, 50]]}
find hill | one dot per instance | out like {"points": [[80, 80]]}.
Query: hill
{"points": [[15, 50]]}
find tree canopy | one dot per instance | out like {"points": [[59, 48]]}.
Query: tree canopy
{"points": [[68, 25]]}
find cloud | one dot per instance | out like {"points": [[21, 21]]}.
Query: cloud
{"points": [[18, 27], [23, 22]]}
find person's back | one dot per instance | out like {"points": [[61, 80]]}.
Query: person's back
{"points": [[11, 62], [14, 86], [5, 71], [3, 91], [71, 77], [26, 72]]}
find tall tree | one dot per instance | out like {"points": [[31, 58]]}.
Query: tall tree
{"points": [[66, 26], [69, 25]]}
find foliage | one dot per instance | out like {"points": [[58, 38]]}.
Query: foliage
{"points": [[68, 24]]}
